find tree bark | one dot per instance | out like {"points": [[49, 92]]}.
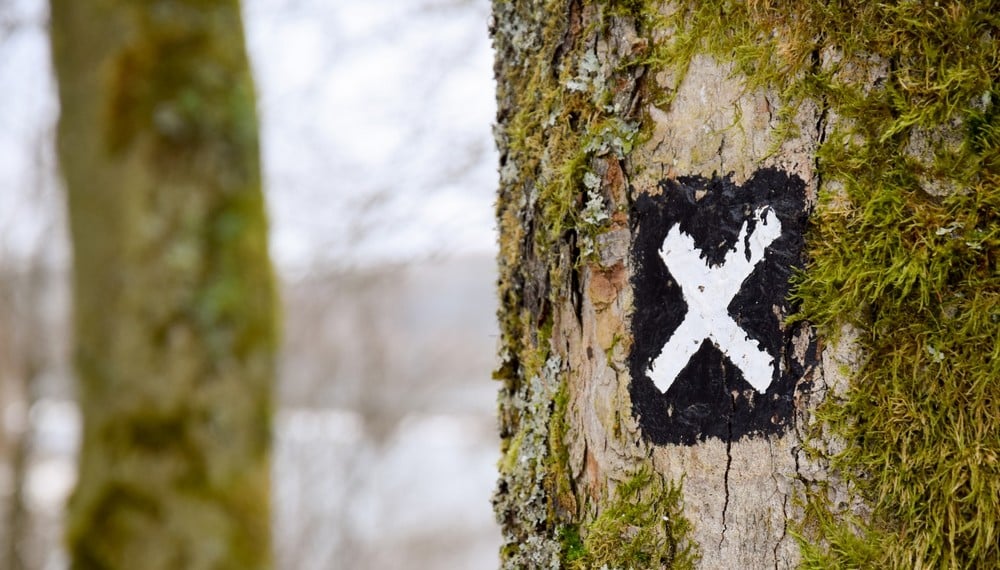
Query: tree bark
{"points": [[688, 171], [173, 288]]}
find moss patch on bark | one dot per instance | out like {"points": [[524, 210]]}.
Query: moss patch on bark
{"points": [[568, 86], [904, 248], [175, 304], [904, 245], [642, 527]]}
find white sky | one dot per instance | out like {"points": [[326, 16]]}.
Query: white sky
{"points": [[376, 126], [30, 214]]}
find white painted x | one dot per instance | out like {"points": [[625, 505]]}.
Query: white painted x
{"points": [[708, 291]]}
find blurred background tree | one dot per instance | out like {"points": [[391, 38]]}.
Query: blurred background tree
{"points": [[175, 312], [379, 174]]}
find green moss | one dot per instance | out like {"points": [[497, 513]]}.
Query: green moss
{"points": [[643, 527], [559, 477], [525, 501], [904, 243], [563, 117], [560, 112], [904, 246], [572, 545], [174, 297], [185, 85]]}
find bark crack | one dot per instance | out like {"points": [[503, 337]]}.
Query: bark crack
{"points": [[725, 481], [729, 465], [574, 22], [821, 119], [720, 151], [784, 505]]}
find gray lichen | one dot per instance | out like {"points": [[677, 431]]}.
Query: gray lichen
{"points": [[521, 500]]}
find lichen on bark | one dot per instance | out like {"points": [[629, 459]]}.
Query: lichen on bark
{"points": [[568, 82], [888, 112]]}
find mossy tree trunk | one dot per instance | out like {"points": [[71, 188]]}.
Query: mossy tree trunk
{"points": [[173, 288], [838, 407]]}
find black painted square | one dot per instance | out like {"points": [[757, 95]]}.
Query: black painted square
{"points": [[762, 221]]}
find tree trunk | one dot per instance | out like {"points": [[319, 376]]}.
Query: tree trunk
{"points": [[30, 362], [25, 356], [173, 289], [746, 253]]}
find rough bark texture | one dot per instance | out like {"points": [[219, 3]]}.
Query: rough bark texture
{"points": [[740, 492], [173, 290], [736, 494], [602, 103]]}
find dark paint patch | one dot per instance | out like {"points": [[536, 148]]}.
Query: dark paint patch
{"points": [[709, 397]]}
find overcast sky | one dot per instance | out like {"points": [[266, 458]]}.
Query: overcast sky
{"points": [[376, 126]]}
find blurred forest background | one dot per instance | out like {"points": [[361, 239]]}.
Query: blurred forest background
{"points": [[379, 173]]}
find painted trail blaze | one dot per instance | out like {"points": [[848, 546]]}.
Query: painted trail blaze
{"points": [[712, 357]]}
